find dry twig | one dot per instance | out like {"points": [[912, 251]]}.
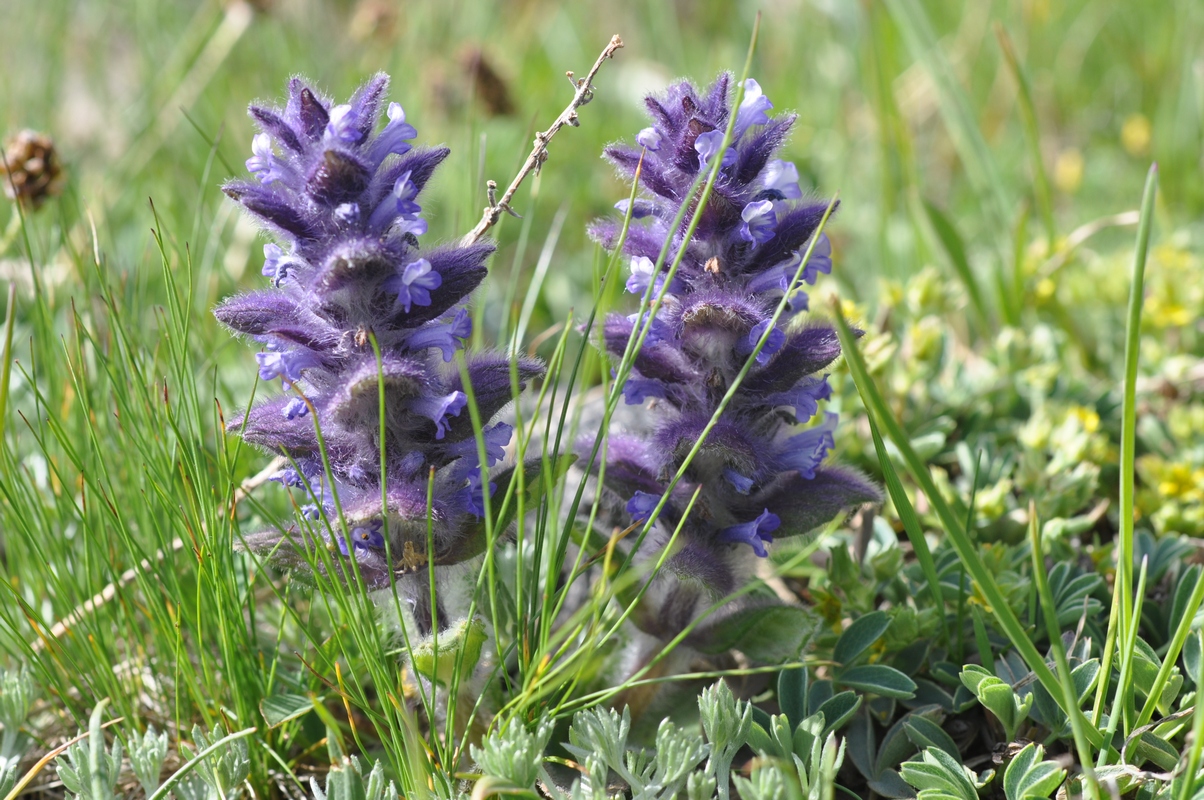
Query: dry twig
{"points": [[539, 153]]}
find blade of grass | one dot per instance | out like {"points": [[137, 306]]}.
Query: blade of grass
{"points": [[1032, 132], [1070, 696], [911, 524], [1124, 566], [957, 536], [6, 355]]}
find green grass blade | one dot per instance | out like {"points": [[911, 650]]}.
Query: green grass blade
{"points": [[911, 524], [1124, 566], [1032, 132], [1070, 697], [961, 542], [6, 355]]}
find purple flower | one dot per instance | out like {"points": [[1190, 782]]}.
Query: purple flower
{"points": [[641, 506], [264, 163], [649, 138], [759, 222], [642, 269], [285, 364], [708, 144], [781, 178], [414, 285], [340, 194], [438, 409], [772, 344], [752, 109], [637, 390], [804, 452], [343, 126], [295, 408], [472, 496], [755, 534], [642, 208], [820, 260], [364, 537], [496, 439], [399, 205], [393, 139], [740, 483], [277, 265], [448, 337], [804, 397]]}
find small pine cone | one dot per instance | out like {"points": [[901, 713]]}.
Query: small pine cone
{"points": [[32, 172]]}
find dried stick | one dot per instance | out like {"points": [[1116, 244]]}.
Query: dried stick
{"points": [[539, 153]]}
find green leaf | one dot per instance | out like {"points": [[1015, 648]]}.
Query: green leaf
{"points": [[1027, 777], [1145, 666], [955, 249], [896, 745], [792, 694], [925, 733], [861, 745], [282, 708], [438, 658], [839, 710], [770, 633], [818, 693], [1148, 746], [760, 740], [998, 698], [860, 636], [888, 783], [878, 679], [939, 775], [1191, 656]]}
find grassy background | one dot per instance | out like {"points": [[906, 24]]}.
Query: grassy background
{"points": [[1114, 85], [110, 451]]}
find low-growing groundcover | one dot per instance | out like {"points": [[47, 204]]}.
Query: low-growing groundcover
{"points": [[631, 555]]}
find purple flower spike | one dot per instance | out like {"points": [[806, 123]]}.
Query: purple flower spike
{"points": [[755, 474], [755, 534], [348, 279]]}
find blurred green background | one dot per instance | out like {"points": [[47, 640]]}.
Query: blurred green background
{"points": [[135, 93]]}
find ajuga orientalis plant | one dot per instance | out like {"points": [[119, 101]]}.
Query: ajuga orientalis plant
{"points": [[758, 473], [354, 302]]}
